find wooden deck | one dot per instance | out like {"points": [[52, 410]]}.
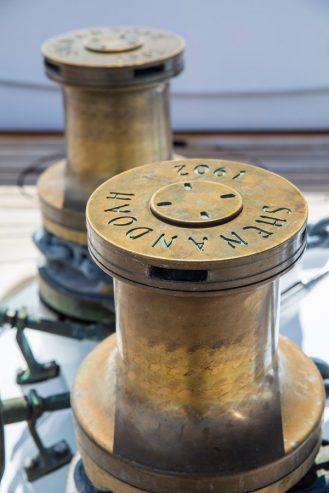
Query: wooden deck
{"points": [[302, 158]]}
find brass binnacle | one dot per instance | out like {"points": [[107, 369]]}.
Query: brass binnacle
{"points": [[115, 84], [197, 392]]}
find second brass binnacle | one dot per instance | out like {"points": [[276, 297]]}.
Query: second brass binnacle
{"points": [[115, 84], [196, 391]]}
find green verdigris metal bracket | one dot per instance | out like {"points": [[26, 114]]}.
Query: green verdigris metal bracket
{"points": [[29, 408], [35, 372], [39, 372]]}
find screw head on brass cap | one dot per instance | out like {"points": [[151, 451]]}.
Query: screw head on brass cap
{"points": [[113, 56], [197, 225]]}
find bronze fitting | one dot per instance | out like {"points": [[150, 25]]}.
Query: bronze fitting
{"points": [[115, 83], [197, 392]]}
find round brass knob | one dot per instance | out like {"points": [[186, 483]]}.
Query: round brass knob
{"points": [[113, 42], [202, 204]]}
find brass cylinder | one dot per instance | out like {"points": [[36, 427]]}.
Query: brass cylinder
{"points": [[197, 392], [109, 132], [115, 83], [214, 355]]}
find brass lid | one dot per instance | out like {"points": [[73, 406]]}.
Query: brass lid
{"points": [[196, 225], [113, 56]]}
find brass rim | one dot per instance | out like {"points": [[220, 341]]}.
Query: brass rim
{"points": [[102, 480], [67, 304], [259, 237], [113, 56]]}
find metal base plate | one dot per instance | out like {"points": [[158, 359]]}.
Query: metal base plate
{"points": [[59, 218], [67, 303], [53, 458]]}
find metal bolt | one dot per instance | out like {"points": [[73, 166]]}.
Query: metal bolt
{"points": [[30, 463], [48, 365], [60, 448]]}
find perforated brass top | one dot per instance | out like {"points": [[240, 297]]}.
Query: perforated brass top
{"points": [[197, 225], [201, 204], [113, 56]]}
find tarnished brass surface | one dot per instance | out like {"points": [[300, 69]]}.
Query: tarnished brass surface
{"points": [[195, 393], [116, 100]]}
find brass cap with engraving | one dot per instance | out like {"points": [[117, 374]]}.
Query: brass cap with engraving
{"points": [[196, 375], [197, 225], [113, 56]]}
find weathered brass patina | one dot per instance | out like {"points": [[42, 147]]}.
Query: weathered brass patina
{"points": [[196, 392], [115, 84]]}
